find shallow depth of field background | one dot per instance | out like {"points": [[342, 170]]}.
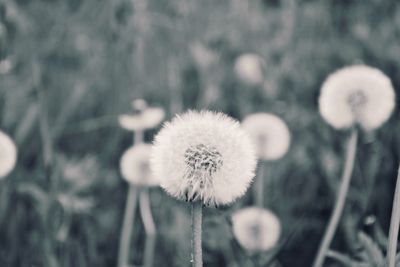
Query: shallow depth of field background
{"points": [[69, 68]]}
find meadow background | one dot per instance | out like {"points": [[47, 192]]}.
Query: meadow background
{"points": [[69, 68]]}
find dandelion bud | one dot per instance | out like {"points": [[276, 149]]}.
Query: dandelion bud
{"points": [[8, 155], [269, 133], [256, 229], [357, 95], [249, 69], [203, 156], [135, 166]]}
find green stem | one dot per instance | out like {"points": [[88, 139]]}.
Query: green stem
{"points": [[127, 227], [197, 210], [394, 225], [340, 200], [149, 226]]}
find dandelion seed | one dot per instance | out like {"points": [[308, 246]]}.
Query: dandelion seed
{"points": [[269, 133], [248, 68], [256, 229], [135, 166], [357, 95], [203, 156], [8, 155]]}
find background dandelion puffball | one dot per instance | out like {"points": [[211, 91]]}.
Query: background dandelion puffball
{"points": [[204, 156], [357, 95], [135, 166], [256, 229], [249, 69], [148, 119], [269, 133], [8, 155]]}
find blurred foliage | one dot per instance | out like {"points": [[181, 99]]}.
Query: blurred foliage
{"points": [[68, 68]]}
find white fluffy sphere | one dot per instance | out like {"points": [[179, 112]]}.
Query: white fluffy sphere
{"points": [[269, 133], [357, 95], [249, 69], [204, 156], [256, 229], [135, 166]]}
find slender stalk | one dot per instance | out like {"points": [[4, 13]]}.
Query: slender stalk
{"points": [[197, 213], [259, 186], [394, 225], [149, 227], [138, 137], [340, 200], [127, 227]]}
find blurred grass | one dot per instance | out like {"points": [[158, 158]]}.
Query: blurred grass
{"points": [[89, 59]]}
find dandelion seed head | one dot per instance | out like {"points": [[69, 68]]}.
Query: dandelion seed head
{"points": [[135, 166], [8, 155], [256, 229], [269, 134], [203, 156], [147, 119], [359, 95], [249, 70]]}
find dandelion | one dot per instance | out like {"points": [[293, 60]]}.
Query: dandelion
{"points": [[135, 166], [249, 69], [269, 133], [256, 229], [135, 169], [357, 95], [149, 118], [8, 155], [353, 96], [271, 137], [205, 158]]}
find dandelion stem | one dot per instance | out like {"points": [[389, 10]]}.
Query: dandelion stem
{"points": [[259, 186], [137, 137], [149, 226], [394, 225], [127, 227], [197, 210], [340, 200]]}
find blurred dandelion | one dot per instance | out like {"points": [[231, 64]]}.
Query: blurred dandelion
{"points": [[256, 229], [269, 133], [353, 96], [144, 117], [205, 158], [357, 95], [249, 69], [135, 170], [8, 155], [135, 166], [271, 137]]}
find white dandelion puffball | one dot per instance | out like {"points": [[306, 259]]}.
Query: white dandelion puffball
{"points": [[147, 119], [8, 155], [357, 95], [249, 69], [269, 133], [256, 229], [204, 156], [135, 166]]}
